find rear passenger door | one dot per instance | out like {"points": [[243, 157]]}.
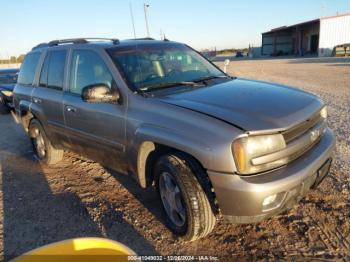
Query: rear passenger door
{"points": [[47, 97], [96, 130]]}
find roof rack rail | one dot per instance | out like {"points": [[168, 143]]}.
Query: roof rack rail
{"points": [[74, 41], [68, 41], [142, 38], [115, 41], [40, 46]]}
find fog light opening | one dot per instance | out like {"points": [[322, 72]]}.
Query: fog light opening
{"points": [[272, 201], [269, 200]]}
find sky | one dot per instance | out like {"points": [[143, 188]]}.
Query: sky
{"points": [[199, 23]]}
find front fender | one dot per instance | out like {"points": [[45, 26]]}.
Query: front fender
{"points": [[174, 139], [216, 157]]}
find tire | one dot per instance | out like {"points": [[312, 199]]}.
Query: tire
{"points": [[43, 149], [3, 107], [176, 182]]}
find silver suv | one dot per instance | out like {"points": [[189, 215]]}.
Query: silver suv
{"points": [[159, 111]]}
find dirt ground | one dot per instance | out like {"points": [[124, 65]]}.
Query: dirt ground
{"points": [[77, 197]]}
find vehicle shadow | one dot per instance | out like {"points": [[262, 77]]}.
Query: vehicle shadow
{"points": [[148, 197], [34, 213]]}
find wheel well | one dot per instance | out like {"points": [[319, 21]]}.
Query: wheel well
{"points": [[159, 150], [26, 117], [152, 157], [151, 152]]}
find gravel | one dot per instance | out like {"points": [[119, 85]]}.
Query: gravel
{"points": [[77, 197]]}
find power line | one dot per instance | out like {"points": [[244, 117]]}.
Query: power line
{"points": [[132, 19]]}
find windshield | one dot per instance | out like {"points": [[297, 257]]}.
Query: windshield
{"points": [[162, 65], [8, 78]]}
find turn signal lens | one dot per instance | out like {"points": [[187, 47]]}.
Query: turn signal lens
{"points": [[239, 154]]}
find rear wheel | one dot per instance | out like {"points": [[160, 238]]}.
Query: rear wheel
{"points": [[186, 205], [45, 152]]}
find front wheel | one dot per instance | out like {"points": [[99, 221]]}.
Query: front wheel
{"points": [[187, 208], [44, 151]]}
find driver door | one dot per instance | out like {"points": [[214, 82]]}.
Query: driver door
{"points": [[95, 130]]}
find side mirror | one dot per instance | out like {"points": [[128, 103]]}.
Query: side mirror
{"points": [[99, 93], [226, 63]]}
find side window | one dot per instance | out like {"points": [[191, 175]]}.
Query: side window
{"points": [[27, 72], [88, 68], [44, 71], [56, 69]]}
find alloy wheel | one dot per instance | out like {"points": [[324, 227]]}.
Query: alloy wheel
{"points": [[172, 199], [39, 142]]}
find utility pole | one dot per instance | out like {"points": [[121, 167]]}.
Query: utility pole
{"points": [[145, 8], [132, 19], [323, 9]]}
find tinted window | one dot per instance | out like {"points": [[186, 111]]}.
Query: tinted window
{"points": [[44, 71], [27, 72], [158, 65], [56, 69], [88, 68]]}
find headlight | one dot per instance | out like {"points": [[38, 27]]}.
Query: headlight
{"points": [[7, 93], [324, 112], [249, 147]]}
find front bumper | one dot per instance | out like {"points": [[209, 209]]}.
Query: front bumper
{"points": [[6, 100], [241, 198]]}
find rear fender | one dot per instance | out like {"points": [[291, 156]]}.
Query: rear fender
{"points": [[27, 111]]}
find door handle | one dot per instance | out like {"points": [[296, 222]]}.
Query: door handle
{"points": [[36, 100], [71, 109]]}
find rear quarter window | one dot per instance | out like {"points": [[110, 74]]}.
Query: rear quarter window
{"points": [[28, 68], [52, 72]]}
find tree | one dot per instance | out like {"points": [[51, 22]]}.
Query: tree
{"points": [[20, 58], [13, 60]]}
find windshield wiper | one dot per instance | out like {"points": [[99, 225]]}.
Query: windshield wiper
{"points": [[167, 85], [206, 78]]}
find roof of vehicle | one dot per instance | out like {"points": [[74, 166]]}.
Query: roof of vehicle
{"points": [[9, 71], [100, 42]]}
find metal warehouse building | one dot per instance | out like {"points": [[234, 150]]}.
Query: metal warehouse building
{"points": [[318, 37]]}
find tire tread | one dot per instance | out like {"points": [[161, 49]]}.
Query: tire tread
{"points": [[198, 195]]}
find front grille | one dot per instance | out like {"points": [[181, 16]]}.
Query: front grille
{"points": [[306, 128], [306, 148], [299, 130]]}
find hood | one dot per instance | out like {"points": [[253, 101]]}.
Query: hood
{"points": [[250, 105], [8, 87]]}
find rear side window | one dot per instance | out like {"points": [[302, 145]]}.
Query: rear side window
{"points": [[44, 71], [88, 68], [55, 72], [27, 72]]}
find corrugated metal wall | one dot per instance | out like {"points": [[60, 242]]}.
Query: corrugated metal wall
{"points": [[283, 44], [333, 31]]}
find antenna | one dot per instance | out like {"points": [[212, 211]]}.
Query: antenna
{"points": [[145, 8], [132, 19]]}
